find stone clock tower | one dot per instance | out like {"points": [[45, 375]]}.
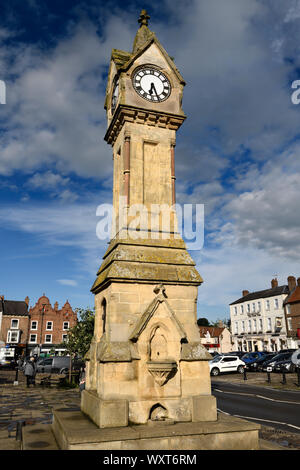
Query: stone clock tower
{"points": [[145, 366], [146, 359]]}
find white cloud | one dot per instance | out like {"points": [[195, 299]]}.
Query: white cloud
{"points": [[67, 282]]}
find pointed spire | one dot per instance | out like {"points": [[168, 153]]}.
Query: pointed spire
{"points": [[143, 34]]}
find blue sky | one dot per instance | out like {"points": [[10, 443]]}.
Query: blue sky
{"points": [[238, 152]]}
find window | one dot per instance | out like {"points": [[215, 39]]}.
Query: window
{"points": [[49, 325], [260, 324], [48, 338], [267, 305], [248, 308], [66, 325], [276, 303], [289, 322], [269, 324], [64, 338], [12, 336], [235, 310], [242, 308], [288, 309], [254, 325], [14, 324], [236, 329], [32, 338], [229, 359], [253, 307], [243, 327], [249, 326], [259, 306], [34, 325], [103, 315]]}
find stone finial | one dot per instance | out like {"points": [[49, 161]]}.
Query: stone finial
{"points": [[144, 17], [160, 289]]}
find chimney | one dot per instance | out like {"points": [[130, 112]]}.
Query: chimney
{"points": [[298, 282], [291, 283], [27, 301], [274, 283], [245, 292]]}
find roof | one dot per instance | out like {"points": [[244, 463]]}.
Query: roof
{"points": [[14, 307], [262, 294], [214, 331], [294, 296]]}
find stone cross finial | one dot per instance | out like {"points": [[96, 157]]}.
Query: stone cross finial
{"points": [[143, 19]]}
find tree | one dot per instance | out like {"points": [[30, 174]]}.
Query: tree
{"points": [[80, 336], [203, 322]]}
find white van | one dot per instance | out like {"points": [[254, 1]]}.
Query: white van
{"points": [[226, 364]]}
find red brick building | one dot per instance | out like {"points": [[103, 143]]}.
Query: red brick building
{"points": [[292, 312], [48, 326]]}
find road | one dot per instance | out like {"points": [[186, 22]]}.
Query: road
{"points": [[279, 409]]}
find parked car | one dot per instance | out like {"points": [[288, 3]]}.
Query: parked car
{"points": [[272, 362], [240, 354], [252, 358], [7, 363], [58, 365], [226, 363], [287, 365], [257, 365]]}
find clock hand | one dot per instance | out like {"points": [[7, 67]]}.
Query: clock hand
{"points": [[153, 88]]}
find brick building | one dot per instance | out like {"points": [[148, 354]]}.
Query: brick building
{"points": [[292, 312], [14, 321], [48, 326], [216, 338]]}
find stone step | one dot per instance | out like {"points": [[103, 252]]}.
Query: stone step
{"points": [[38, 437]]}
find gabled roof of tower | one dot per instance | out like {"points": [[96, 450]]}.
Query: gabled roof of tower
{"points": [[142, 41]]}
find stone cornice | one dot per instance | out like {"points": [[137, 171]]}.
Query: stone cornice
{"points": [[140, 116]]}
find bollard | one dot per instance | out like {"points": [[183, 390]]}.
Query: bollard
{"points": [[245, 373], [16, 377], [20, 425], [269, 369], [283, 376], [298, 375]]}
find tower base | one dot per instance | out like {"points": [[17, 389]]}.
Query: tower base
{"points": [[73, 430]]}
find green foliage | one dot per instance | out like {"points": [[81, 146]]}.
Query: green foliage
{"points": [[80, 336], [203, 322]]}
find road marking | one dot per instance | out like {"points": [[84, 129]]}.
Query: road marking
{"points": [[260, 419], [258, 396]]}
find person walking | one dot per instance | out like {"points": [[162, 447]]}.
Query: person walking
{"points": [[30, 372]]}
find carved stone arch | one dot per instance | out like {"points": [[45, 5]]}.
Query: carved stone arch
{"points": [[158, 412], [158, 342]]}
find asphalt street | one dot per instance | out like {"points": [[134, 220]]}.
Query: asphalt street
{"points": [[277, 408]]}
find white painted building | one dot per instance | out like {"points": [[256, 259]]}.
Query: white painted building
{"points": [[258, 320]]}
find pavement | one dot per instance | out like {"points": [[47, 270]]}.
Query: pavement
{"points": [[34, 406]]}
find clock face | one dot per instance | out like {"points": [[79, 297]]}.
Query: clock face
{"points": [[115, 96], [151, 84]]}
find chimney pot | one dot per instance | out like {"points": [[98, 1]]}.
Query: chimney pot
{"points": [[291, 283], [274, 283], [298, 282], [245, 292]]}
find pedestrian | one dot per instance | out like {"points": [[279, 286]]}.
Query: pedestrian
{"points": [[30, 372], [82, 379], [20, 363]]}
